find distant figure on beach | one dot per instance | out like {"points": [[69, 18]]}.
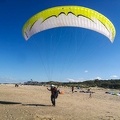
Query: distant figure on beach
{"points": [[54, 94], [89, 91], [90, 95], [16, 85], [72, 89]]}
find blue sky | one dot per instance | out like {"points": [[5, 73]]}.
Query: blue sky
{"points": [[61, 54]]}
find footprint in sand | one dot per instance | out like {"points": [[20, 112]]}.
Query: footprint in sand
{"points": [[40, 117]]}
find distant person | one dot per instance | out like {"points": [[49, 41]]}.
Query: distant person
{"points": [[54, 94], [72, 89], [78, 87], [89, 91], [16, 85], [90, 95]]}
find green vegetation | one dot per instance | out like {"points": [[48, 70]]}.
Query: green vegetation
{"points": [[112, 84]]}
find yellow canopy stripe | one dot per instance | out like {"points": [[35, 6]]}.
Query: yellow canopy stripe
{"points": [[76, 11]]}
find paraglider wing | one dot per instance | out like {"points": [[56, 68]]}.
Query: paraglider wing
{"points": [[76, 16]]}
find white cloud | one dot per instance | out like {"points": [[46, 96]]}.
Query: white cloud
{"points": [[75, 80], [70, 80], [114, 76], [99, 78], [86, 71], [81, 79]]}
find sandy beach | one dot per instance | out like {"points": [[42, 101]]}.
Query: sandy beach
{"points": [[33, 103]]}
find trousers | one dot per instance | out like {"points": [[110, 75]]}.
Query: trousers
{"points": [[53, 99]]}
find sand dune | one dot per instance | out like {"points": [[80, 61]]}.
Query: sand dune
{"points": [[33, 103]]}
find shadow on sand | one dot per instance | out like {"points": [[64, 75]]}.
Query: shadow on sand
{"points": [[35, 105], [9, 102], [12, 103]]}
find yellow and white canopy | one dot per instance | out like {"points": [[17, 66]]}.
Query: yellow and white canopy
{"points": [[75, 16]]}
